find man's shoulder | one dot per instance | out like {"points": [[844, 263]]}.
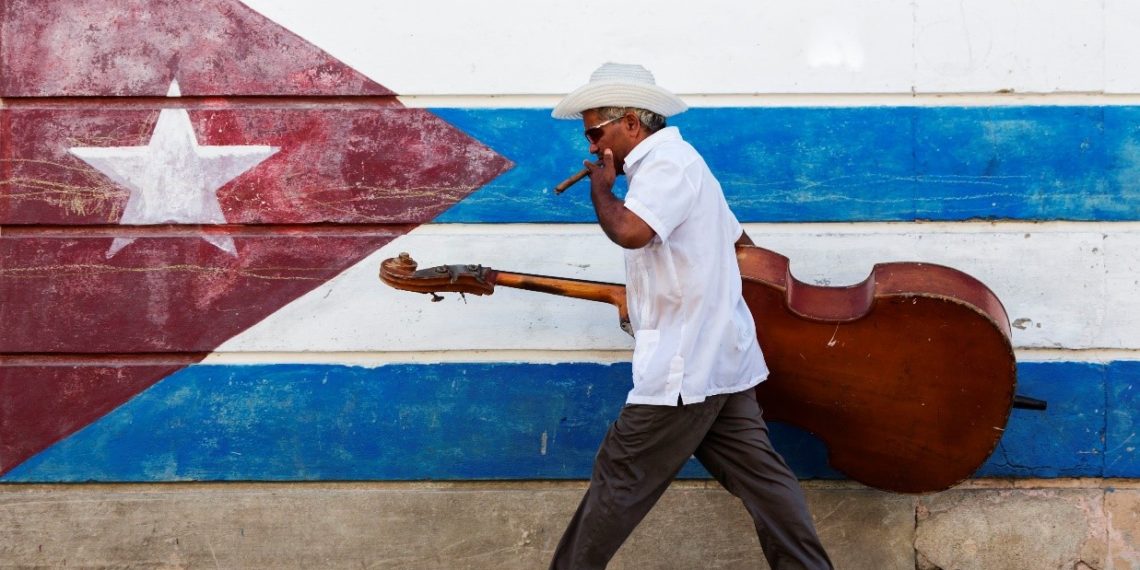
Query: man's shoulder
{"points": [[671, 154], [675, 150]]}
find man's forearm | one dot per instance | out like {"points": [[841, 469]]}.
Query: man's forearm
{"points": [[610, 212], [622, 226]]}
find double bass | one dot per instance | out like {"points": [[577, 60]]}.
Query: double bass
{"points": [[908, 377]]}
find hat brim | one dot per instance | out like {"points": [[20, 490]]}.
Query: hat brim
{"points": [[618, 94]]}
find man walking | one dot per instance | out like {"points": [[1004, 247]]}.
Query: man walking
{"points": [[696, 359]]}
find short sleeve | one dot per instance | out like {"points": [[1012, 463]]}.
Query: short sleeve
{"points": [[735, 229], [662, 195]]}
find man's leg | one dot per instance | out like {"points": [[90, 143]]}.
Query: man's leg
{"points": [[642, 452], [736, 451]]}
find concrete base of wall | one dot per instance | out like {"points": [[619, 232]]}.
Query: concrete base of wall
{"points": [[1046, 524]]}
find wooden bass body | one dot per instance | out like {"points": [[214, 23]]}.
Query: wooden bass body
{"points": [[908, 377]]}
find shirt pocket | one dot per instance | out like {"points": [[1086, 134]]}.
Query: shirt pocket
{"points": [[644, 347], [639, 292], [745, 335]]}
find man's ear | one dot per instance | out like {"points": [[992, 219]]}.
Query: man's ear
{"points": [[631, 124]]}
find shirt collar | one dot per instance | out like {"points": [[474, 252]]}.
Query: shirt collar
{"points": [[651, 142]]}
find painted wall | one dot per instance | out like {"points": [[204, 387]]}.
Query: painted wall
{"points": [[194, 202]]}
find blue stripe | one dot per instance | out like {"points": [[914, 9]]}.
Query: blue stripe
{"points": [[1122, 445], [497, 421], [846, 164]]}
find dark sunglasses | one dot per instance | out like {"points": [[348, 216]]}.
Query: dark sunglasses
{"points": [[594, 133]]}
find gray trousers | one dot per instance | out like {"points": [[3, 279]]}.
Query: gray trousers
{"points": [[646, 447]]}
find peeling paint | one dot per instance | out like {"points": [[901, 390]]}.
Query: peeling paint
{"points": [[135, 47]]}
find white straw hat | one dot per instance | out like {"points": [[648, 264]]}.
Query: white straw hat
{"points": [[619, 85]]}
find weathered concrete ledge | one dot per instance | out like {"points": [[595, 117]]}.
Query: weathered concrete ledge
{"points": [[985, 524]]}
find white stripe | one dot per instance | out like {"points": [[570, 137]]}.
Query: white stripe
{"points": [[1122, 46], [1065, 286], [837, 100], [376, 359], [520, 47]]}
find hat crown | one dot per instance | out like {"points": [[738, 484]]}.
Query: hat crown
{"points": [[619, 85], [622, 73]]}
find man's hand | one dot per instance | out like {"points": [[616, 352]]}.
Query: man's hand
{"points": [[602, 177], [622, 226]]}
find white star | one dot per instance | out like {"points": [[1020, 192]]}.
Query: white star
{"points": [[173, 179]]}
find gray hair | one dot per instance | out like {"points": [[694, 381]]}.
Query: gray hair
{"points": [[650, 120]]}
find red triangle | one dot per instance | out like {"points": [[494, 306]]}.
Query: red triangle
{"points": [[350, 175]]}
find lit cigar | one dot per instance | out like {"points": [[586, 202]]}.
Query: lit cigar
{"points": [[562, 186]]}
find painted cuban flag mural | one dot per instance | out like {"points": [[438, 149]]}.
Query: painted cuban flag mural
{"points": [[195, 200]]}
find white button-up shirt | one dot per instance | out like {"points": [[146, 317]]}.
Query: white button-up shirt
{"points": [[694, 336]]}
